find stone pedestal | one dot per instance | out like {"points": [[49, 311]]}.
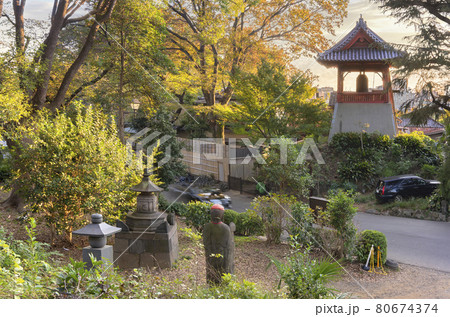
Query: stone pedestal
{"points": [[104, 254], [135, 249]]}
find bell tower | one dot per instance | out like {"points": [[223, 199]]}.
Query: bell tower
{"points": [[369, 108]]}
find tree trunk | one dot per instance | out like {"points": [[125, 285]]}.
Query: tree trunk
{"points": [[120, 120], [40, 96], [107, 7]]}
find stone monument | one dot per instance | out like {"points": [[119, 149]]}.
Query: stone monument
{"points": [[218, 240], [97, 232], [149, 237]]}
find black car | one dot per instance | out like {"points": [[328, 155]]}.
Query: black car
{"points": [[403, 186]]}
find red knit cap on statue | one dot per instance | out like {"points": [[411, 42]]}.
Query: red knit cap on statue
{"points": [[217, 206]]}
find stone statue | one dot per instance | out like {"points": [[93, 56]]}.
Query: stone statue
{"points": [[218, 240]]}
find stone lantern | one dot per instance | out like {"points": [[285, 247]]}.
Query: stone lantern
{"points": [[97, 231], [146, 214], [149, 237]]}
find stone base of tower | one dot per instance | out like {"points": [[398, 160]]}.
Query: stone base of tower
{"points": [[370, 117]]}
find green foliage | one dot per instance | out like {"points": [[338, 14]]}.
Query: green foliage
{"points": [[342, 210], [248, 223], [274, 210], [101, 281], [364, 157], [306, 277], [366, 239], [343, 142], [13, 105], [5, 165], [282, 171], [302, 225], [413, 203], [197, 128], [72, 166], [419, 146], [174, 207], [198, 214], [426, 56], [161, 123], [444, 173], [26, 269], [231, 288], [272, 105]]}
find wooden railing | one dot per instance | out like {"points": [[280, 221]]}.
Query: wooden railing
{"points": [[367, 97]]}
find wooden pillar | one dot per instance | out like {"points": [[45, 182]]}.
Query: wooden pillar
{"points": [[340, 84]]}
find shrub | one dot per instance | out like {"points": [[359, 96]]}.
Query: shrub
{"points": [[273, 210], [342, 210], [305, 277], [249, 224], [175, 207], [197, 214], [161, 123], [73, 165], [420, 146], [342, 142], [230, 216], [366, 239], [302, 223], [282, 172]]}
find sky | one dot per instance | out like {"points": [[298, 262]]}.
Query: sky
{"points": [[381, 23]]}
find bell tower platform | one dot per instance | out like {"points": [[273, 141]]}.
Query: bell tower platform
{"points": [[370, 117]]}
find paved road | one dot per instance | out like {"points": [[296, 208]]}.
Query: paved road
{"points": [[411, 241]]}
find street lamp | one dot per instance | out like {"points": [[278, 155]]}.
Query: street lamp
{"points": [[135, 106]]}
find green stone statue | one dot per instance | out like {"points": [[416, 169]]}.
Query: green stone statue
{"points": [[218, 239]]}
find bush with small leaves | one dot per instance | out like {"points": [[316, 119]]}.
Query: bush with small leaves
{"points": [[366, 239], [342, 210], [274, 210], [197, 214]]}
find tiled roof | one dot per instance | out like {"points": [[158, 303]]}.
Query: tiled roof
{"points": [[374, 52], [405, 122]]}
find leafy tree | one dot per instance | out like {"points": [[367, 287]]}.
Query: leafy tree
{"points": [[126, 61], [269, 104], [32, 64], [444, 175], [74, 165], [282, 171], [427, 55], [161, 122], [211, 41]]}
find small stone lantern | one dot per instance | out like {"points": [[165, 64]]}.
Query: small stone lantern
{"points": [[97, 231]]}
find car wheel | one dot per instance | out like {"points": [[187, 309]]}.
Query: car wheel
{"points": [[398, 198]]}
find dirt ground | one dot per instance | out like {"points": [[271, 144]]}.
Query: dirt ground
{"points": [[251, 263]]}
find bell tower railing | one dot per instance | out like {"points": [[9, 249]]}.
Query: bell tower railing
{"points": [[365, 97]]}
